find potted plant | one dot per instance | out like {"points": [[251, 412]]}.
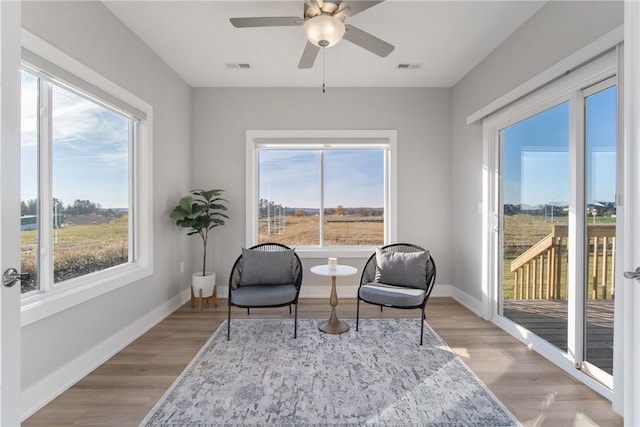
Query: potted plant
{"points": [[199, 212]]}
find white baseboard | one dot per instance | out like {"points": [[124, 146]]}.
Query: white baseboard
{"points": [[474, 305], [440, 291], [38, 395]]}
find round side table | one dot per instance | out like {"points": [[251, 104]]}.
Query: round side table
{"points": [[334, 325]]}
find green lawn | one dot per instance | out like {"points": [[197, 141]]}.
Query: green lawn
{"points": [[114, 229]]}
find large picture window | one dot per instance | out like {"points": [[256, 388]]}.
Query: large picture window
{"points": [[321, 195], [86, 146], [84, 186]]}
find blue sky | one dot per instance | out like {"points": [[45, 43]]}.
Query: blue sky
{"points": [[536, 154], [90, 149], [353, 178]]}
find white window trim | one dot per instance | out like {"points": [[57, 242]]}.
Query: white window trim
{"points": [[568, 88], [254, 141], [82, 289]]}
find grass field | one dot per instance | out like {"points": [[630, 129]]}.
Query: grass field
{"points": [[82, 249], [338, 230], [78, 249]]}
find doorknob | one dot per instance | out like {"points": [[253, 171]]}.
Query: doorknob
{"points": [[11, 276], [633, 274]]}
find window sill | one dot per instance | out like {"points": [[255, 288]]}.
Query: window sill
{"points": [[363, 252], [40, 306]]}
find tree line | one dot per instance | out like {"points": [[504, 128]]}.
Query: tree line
{"points": [[268, 208], [78, 207]]}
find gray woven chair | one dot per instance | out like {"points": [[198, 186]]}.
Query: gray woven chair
{"points": [[265, 275], [405, 280]]}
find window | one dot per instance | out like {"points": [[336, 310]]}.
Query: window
{"points": [[319, 193], [88, 229], [85, 224]]}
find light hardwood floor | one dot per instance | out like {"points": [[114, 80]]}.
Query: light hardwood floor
{"points": [[125, 388]]}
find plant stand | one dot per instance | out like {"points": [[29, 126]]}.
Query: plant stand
{"points": [[203, 287], [200, 298]]}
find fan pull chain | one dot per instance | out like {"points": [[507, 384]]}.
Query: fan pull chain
{"points": [[323, 70]]}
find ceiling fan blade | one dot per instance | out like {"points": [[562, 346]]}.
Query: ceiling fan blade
{"points": [[367, 41], [267, 21], [342, 13], [309, 56], [311, 8], [350, 8]]}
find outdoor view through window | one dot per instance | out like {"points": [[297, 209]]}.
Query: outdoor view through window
{"points": [[74, 185], [329, 197], [537, 181]]}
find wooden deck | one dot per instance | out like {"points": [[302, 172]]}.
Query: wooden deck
{"points": [[548, 320]]}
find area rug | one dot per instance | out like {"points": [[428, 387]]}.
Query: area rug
{"points": [[378, 375]]}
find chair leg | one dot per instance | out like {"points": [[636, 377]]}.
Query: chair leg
{"points": [[289, 308], [422, 326], [295, 322], [247, 311], [228, 321], [380, 309], [357, 312]]}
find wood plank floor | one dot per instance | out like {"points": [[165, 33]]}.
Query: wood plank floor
{"points": [[125, 388]]}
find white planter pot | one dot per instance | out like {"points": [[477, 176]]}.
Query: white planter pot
{"points": [[207, 283]]}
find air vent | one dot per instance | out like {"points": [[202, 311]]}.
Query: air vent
{"points": [[409, 66], [242, 65]]}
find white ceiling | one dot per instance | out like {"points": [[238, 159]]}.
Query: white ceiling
{"points": [[447, 38]]}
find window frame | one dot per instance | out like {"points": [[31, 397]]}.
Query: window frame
{"points": [[323, 139], [37, 306]]}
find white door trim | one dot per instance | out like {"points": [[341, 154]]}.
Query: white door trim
{"points": [[10, 13], [629, 393]]}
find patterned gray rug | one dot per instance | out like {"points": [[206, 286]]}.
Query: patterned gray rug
{"points": [[378, 375]]}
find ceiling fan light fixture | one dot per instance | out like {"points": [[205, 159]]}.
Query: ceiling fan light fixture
{"points": [[324, 30]]}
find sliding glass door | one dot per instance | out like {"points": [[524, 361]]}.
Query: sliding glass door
{"points": [[555, 196], [535, 201]]}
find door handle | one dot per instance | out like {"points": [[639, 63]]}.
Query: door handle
{"points": [[633, 274], [11, 276]]}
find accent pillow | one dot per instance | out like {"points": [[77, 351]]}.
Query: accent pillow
{"points": [[266, 268], [402, 268]]}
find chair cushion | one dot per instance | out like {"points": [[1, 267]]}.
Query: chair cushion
{"points": [[263, 296], [402, 268], [381, 293], [266, 267]]}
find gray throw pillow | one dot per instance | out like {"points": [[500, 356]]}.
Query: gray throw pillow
{"points": [[266, 268], [402, 268]]}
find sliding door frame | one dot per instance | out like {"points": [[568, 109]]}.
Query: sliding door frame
{"points": [[568, 88]]}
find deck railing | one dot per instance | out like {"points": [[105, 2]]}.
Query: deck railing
{"points": [[541, 271]]}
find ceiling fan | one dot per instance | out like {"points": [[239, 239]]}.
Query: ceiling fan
{"points": [[324, 26]]}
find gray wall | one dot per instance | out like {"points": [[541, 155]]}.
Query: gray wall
{"points": [[555, 32], [88, 32], [421, 116]]}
